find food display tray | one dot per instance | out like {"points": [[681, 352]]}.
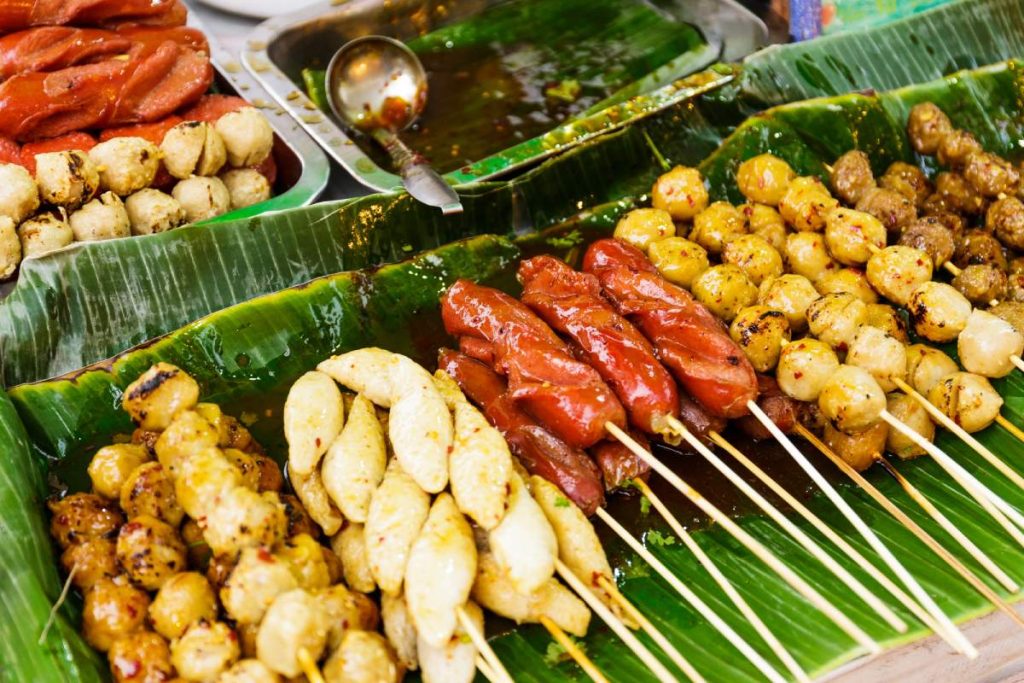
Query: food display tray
{"points": [[280, 48]]}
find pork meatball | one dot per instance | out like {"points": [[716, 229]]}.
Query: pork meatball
{"points": [[1012, 312], [977, 246], [111, 466], [927, 127], [907, 179], [990, 175], [761, 333], [151, 211], [851, 176], [202, 198], [859, 449], [102, 218], [140, 657], [938, 311], [804, 367], [205, 650], [897, 271], [885, 357], [149, 490], [642, 227], [126, 164], [10, 248], [956, 147], [159, 394], [150, 551], [246, 186], [791, 294], [764, 178], [724, 289], [805, 254], [852, 399], [959, 194], [981, 283], [967, 399], [81, 516], [764, 221], [43, 233], [112, 609], [717, 225], [681, 192], [926, 365], [67, 179], [849, 280], [92, 559], [806, 204], [193, 148], [1005, 219], [930, 235], [758, 259], [891, 208], [248, 137], [678, 260], [852, 236], [987, 343], [835, 318], [183, 600], [19, 195], [913, 415]]}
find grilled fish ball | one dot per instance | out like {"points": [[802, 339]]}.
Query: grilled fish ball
{"points": [[791, 294], [896, 271], [681, 192], [348, 609], [1005, 219], [926, 365], [362, 657], [247, 135], [94, 558], [112, 609], [111, 466], [254, 584], [717, 225], [159, 394], [103, 218], [126, 164], [19, 194], [148, 490], [858, 450], [305, 558], [914, 415], [891, 208], [987, 343], [642, 227], [82, 516], [678, 260], [938, 311], [193, 148], [907, 179], [981, 283], [956, 147], [183, 600], [248, 470], [806, 204], [883, 356], [977, 246], [851, 176], [805, 254], [835, 318], [852, 399], [249, 671], [930, 235], [804, 367], [296, 619], [764, 221], [888, 319], [10, 248], [1012, 312], [247, 186], [140, 657], [764, 178], [758, 259], [151, 211], [43, 233], [67, 179], [245, 519], [959, 194], [205, 650], [761, 333], [850, 280], [927, 127], [967, 399], [850, 234], [724, 289], [202, 198], [150, 551], [991, 175]]}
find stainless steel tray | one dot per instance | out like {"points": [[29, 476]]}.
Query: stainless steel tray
{"points": [[281, 47]]}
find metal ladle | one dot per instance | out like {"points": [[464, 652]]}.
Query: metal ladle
{"points": [[378, 86]]}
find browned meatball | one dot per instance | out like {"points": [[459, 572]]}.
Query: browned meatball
{"points": [[150, 491], [810, 416], [858, 450], [1014, 288], [1012, 312], [219, 570], [977, 246], [299, 521], [907, 179], [981, 283], [150, 551], [147, 438], [959, 194], [335, 572], [83, 515], [956, 147], [991, 175], [951, 219], [113, 608], [893, 209], [93, 559], [1005, 218], [931, 236], [270, 473], [140, 657], [927, 126], [851, 176], [1016, 265]]}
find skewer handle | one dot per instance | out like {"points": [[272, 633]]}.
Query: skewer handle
{"points": [[482, 646], [574, 651]]}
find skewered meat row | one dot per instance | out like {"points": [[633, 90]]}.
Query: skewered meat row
{"points": [[21, 14]]}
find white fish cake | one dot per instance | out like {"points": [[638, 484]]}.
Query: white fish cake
{"points": [[440, 572], [419, 426], [480, 464], [524, 542], [350, 547], [398, 509], [362, 657], [310, 490], [313, 417], [296, 619], [399, 629], [455, 661], [355, 462], [494, 590]]}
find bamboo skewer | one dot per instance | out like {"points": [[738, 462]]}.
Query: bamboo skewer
{"points": [[650, 629], [602, 611], [1009, 426], [749, 542], [967, 544], [702, 608], [798, 534], [862, 528], [485, 670], [482, 646], [309, 666], [573, 650], [56, 606], [920, 533]]}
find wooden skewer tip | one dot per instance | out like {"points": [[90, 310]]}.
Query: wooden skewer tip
{"points": [[573, 650]]}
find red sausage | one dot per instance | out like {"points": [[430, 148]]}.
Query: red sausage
{"points": [[691, 341], [20, 14], [566, 396], [80, 141], [618, 464], [780, 409], [571, 303], [540, 451]]}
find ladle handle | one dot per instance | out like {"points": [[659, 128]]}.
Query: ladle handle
{"points": [[418, 177]]}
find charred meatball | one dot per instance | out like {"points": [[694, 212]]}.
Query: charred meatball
{"points": [[930, 235], [977, 246], [1005, 219], [956, 147], [893, 209], [981, 283], [927, 127], [851, 176], [907, 179], [990, 175]]}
